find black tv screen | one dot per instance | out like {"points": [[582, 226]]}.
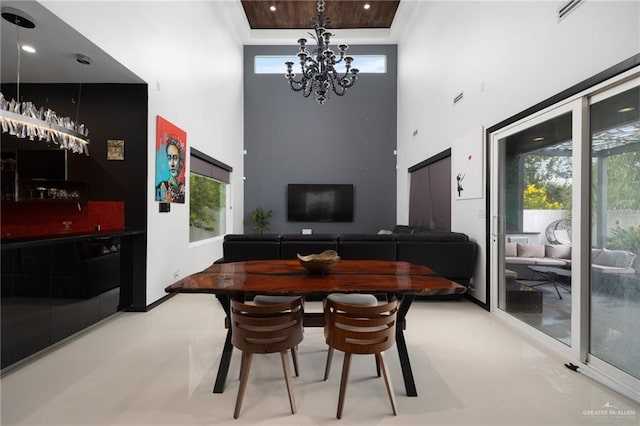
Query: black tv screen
{"points": [[319, 202]]}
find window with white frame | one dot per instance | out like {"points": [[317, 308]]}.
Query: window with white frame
{"points": [[371, 64]]}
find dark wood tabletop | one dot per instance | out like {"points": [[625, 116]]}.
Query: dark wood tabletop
{"points": [[289, 277], [403, 280]]}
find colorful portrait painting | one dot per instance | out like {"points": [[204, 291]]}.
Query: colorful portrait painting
{"points": [[171, 162]]}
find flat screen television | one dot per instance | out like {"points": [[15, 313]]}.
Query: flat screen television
{"points": [[319, 202]]}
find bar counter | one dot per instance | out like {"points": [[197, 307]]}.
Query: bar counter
{"points": [[56, 285]]}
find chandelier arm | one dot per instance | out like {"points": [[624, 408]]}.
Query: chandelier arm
{"points": [[338, 89]]}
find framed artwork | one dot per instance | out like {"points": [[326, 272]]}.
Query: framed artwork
{"points": [[467, 166], [171, 162], [115, 149]]}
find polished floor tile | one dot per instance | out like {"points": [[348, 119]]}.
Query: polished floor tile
{"points": [[158, 368]]}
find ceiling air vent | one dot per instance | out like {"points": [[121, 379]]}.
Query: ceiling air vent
{"points": [[567, 8]]}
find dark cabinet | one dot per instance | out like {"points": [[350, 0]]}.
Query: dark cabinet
{"points": [[44, 175], [51, 291]]}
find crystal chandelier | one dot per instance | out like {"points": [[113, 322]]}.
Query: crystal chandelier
{"points": [[319, 74], [24, 120]]}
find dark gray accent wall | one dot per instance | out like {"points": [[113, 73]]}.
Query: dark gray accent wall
{"points": [[349, 140]]}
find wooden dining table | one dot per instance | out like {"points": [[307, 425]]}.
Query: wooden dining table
{"points": [[243, 280]]}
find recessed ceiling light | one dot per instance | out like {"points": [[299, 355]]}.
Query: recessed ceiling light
{"points": [[28, 48], [367, 6], [272, 8], [538, 139], [83, 59], [626, 109]]}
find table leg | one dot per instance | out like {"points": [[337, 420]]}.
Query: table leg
{"points": [[227, 350], [405, 364], [553, 281]]}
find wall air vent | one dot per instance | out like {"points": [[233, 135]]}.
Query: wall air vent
{"points": [[567, 8], [458, 98]]}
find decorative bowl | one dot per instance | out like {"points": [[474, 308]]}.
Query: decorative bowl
{"points": [[320, 263]]}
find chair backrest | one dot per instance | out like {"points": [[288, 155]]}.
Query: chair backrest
{"points": [[266, 328], [360, 329]]}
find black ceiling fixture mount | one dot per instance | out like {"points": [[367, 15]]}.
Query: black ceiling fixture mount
{"points": [[17, 17]]}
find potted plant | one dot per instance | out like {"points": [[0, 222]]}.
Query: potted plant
{"points": [[261, 220]]}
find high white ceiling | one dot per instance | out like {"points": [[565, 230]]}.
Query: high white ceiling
{"points": [[58, 44]]}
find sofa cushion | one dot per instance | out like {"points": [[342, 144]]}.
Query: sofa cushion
{"points": [[252, 237], [530, 250], [434, 236], [510, 250], [557, 251], [367, 237], [612, 269], [309, 237], [403, 229], [438, 235], [520, 260]]}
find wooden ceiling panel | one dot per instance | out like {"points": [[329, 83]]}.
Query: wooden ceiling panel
{"points": [[297, 14]]}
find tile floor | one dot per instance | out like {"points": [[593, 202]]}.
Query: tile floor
{"points": [[157, 368]]}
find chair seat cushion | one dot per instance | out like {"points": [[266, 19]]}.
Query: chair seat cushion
{"points": [[357, 299], [265, 299]]}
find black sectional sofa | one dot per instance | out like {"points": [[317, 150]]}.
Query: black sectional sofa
{"points": [[449, 254]]}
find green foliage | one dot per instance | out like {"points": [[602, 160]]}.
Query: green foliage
{"points": [[623, 181], [625, 239], [541, 170], [536, 199], [204, 202], [553, 176], [261, 219]]}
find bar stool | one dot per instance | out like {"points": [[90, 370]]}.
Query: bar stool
{"points": [[264, 329], [360, 330]]}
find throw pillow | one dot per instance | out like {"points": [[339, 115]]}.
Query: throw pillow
{"points": [[510, 250], [616, 258], [624, 259], [530, 250], [594, 254], [557, 251]]}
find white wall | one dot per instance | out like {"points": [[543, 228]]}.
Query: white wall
{"points": [[190, 55], [506, 57]]}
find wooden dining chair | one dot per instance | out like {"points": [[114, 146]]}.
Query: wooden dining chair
{"points": [[267, 299], [264, 329], [360, 330]]}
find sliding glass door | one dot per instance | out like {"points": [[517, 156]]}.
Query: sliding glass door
{"points": [[534, 214], [614, 295], [565, 228]]}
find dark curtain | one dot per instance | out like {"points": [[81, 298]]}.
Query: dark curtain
{"points": [[430, 195]]}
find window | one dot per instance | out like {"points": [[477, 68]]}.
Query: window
{"points": [[372, 64], [208, 183]]}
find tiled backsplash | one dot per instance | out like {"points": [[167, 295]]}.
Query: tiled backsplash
{"points": [[32, 219]]}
